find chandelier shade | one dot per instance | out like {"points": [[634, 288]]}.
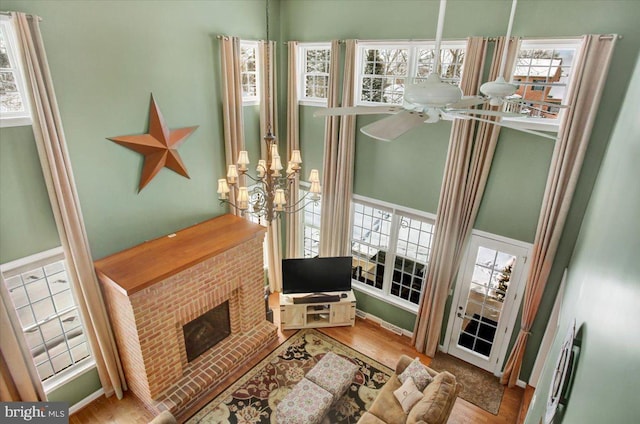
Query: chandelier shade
{"points": [[269, 194]]}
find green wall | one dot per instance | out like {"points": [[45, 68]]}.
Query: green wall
{"points": [[26, 220], [603, 288], [107, 57]]}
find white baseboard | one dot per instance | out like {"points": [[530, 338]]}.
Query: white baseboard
{"points": [[383, 323], [86, 401]]}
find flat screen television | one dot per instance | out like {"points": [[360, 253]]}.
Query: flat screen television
{"points": [[316, 275]]}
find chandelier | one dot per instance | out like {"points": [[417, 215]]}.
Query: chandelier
{"points": [[272, 191]]}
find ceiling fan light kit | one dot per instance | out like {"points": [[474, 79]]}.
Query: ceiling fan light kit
{"points": [[432, 93]]}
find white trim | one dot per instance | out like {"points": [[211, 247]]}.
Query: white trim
{"points": [[382, 322], [18, 266], [511, 305], [66, 376], [86, 401], [302, 48], [252, 100], [380, 295], [15, 119], [393, 207]]}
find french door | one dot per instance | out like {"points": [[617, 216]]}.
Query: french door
{"points": [[486, 300]]}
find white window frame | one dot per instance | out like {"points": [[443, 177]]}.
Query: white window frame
{"points": [[22, 118], [395, 210], [546, 124], [28, 264], [412, 48], [248, 100], [303, 99], [316, 208]]}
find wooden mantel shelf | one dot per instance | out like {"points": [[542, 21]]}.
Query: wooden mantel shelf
{"points": [[143, 265]]}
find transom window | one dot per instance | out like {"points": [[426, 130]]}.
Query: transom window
{"points": [[384, 68], [14, 106], [313, 69], [542, 72], [390, 248], [41, 293], [250, 77]]}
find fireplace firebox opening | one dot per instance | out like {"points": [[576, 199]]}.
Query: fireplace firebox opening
{"points": [[206, 331]]}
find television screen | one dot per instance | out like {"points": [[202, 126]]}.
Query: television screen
{"points": [[316, 275]]}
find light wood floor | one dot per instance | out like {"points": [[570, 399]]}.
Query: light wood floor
{"points": [[366, 337]]}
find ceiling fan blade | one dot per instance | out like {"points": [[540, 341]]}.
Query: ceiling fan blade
{"points": [[468, 101], [485, 112], [394, 126], [527, 102], [356, 110], [515, 127]]}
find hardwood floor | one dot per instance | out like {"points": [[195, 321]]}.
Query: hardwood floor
{"points": [[366, 337]]}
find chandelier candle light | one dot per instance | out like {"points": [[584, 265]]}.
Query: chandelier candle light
{"points": [[271, 191]]}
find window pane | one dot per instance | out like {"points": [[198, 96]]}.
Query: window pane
{"points": [[369, 243], [40, 296], [315, 72], [543, 75], [381, 69], [412, 254]]}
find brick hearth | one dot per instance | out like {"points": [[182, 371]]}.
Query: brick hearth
{"points": [[148, 318]]}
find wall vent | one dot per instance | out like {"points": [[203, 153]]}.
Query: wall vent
{"points": [[361, 314], [391, 328]]}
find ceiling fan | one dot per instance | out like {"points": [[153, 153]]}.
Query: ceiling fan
{"points": [[430, 100]]}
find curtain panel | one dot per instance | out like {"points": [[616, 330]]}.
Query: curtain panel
{"points": [[585, 91], [467, 168], [339, 154], [293, 228], [232, 110], [56, 167], [269, 123]]}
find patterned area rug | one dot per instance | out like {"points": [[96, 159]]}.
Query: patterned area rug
{"points": [[480, 387], [253, 398]]}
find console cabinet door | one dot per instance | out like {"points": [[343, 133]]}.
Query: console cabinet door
{"points": [[342, 313], [293, 316]]}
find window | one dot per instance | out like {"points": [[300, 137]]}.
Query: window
{"points": [[250, 77], [542, 72], [384, 68], [311, 236], [43, 298], [313, 69], [14, 107], [390, 247]]}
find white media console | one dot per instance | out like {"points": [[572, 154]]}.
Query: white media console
{"points": [[318, 312]]}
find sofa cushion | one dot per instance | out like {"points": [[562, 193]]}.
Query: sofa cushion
{"points": [[408, 394], [435, 406], [386, 407], [418, 373]]}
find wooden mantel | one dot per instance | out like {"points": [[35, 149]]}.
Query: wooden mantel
{"points": [[141, 266]]}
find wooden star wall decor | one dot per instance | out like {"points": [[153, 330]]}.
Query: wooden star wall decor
{"points": [[158, 146]]}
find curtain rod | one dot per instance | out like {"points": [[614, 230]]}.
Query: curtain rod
{"points": [[602, 37], [29, 16]]}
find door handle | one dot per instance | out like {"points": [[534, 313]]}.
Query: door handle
{"points": [[459, 315]]}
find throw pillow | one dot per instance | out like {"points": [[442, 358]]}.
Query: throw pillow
{"points": [[408, 395], [418, 373]]}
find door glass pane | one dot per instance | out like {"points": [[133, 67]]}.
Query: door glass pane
{"points": [[487, 290]]}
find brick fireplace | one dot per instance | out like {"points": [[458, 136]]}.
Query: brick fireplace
{"points": [[153, 290]]}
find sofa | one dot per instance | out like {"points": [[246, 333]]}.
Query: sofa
{"points": [[434, 404]]}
